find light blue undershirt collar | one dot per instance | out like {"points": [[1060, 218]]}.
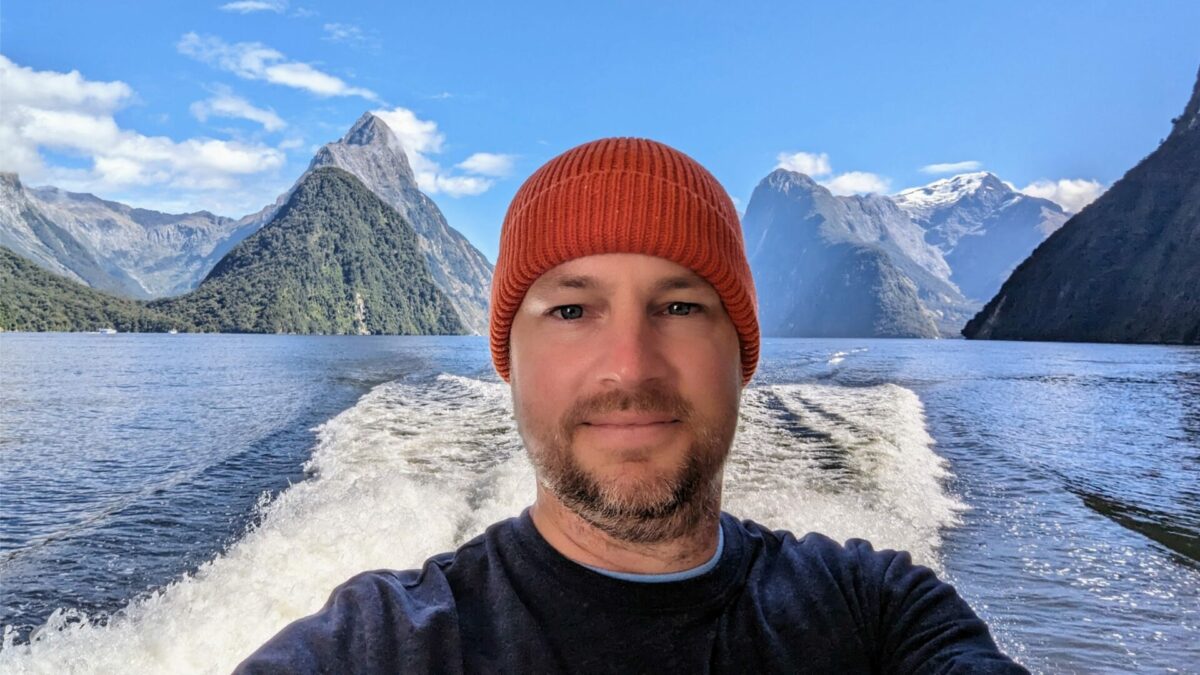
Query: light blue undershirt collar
{"points": [[670, 576]]}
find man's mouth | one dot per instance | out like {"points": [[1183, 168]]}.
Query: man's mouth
{"points": [[622, 419]]}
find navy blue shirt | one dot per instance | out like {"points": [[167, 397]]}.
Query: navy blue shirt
{"points": [[508, 602]]}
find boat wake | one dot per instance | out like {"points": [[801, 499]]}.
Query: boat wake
{"points": [[414, 469]]}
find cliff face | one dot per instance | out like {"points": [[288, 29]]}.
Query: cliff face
{"points": [[1125, 269]]}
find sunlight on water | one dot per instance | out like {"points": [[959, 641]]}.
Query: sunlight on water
{"points": [[413, 470]]}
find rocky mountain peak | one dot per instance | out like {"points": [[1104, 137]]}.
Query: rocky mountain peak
{"points": [[371, 151], [370, 130], [785, 181]]}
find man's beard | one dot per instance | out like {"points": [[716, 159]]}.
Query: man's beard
{"points": [[644, 510]]}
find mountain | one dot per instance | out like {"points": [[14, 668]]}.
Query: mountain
{"points": [[373, 153], [146, 254], [32, 299], [1124, 269], [334, 259], [858, 266], [26, 230], [134, 252], [983, 227]]}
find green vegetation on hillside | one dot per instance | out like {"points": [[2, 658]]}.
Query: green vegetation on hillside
{"points": [[34, 299], [336, 259]]}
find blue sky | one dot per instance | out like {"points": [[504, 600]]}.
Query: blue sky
{"points": [[219, 105]]}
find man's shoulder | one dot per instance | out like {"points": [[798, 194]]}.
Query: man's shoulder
{"points": [[380, 617], [813, 549], [433, 582]]}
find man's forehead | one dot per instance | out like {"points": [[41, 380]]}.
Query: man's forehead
{"points": [[607, 271]]}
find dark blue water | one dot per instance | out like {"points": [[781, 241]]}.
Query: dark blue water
{"points": [[127, 461]]}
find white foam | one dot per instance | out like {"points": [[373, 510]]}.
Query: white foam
{"points": [[413, 470], [862, 466]]}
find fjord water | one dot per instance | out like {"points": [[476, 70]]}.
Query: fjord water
{"points": [[168, 502]]}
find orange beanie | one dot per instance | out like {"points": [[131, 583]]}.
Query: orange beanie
{"points": [[623, 195]]}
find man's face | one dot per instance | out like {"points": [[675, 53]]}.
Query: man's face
{"points": [[626, 376]]}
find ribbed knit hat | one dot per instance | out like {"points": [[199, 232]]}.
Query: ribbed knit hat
{"points": [[623, 195]]}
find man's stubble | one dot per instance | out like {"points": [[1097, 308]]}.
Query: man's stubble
{"points": [[641, 510]]}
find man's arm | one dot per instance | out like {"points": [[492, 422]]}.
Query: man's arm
{"points": [[373, 623], [924, 626]]}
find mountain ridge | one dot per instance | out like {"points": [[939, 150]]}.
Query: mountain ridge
{"points": [[1124, 268]]}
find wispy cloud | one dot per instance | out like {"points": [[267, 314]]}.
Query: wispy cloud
{"points": [[1070, 193], [256, 61], [807, 163], [351, 35], [421, 139], [488, 164], [952, 167], [68, 114], [224, 103], [857, 182], [249, 6], [817, 166]]}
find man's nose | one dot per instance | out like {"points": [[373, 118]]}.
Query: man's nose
{"points": [[632, 351]]}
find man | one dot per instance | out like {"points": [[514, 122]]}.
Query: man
{"points": [[623, 316]]}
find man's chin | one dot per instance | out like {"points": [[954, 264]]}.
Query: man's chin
{"points": [[638, 496]]}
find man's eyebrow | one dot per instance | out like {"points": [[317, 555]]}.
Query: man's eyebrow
{"points": [[581, 281], [679, 283], [587, 282]]}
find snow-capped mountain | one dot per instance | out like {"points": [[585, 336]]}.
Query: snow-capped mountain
{"points": [[829, 266], [981, 225]]}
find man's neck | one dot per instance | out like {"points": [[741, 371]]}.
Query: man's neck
{"points": [[579, 540]]}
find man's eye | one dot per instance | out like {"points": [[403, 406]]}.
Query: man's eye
{"points": [[569, 311], [681, 308]]}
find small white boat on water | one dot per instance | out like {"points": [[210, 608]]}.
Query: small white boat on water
{"points": [[107, 331]]}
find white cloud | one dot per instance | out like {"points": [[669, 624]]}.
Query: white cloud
{"points": [[350, 34], [817, 165], [1070, 193], [248, 6], [421, 138], [488, 164], [64, 113], [458, 186], [256, 61], [857, 182], [417, 135], [291, 143], [810, 164], [226, 104], [952, 167]]}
